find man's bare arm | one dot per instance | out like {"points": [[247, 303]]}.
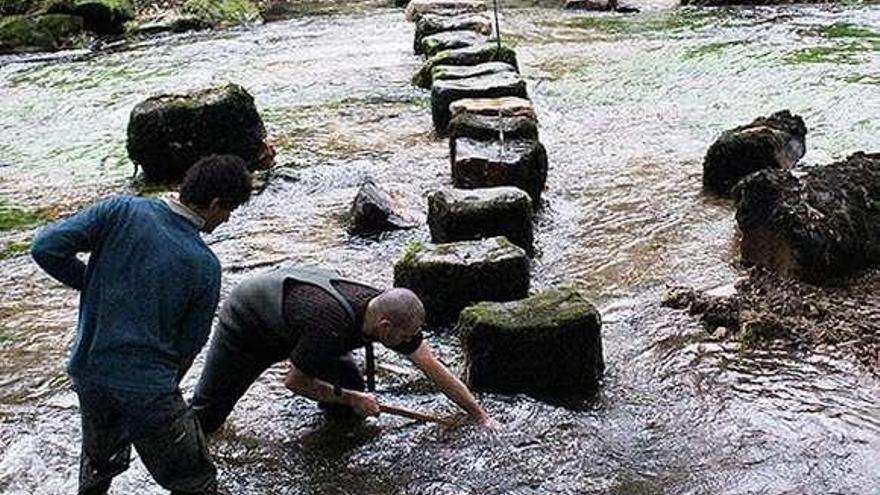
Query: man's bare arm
{"points": [[450, 385], [316, 389]]}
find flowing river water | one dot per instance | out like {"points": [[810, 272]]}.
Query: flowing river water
{"points": [[627, 106]]}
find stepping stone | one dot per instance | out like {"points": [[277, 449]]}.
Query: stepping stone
{"points": [[774, 142], [472, 55], [444, 92], [376, 210], [452, 72], [471, 214], [547, 344], [429, 24], [492, 119], [417, 8], [591, 5], [517, 162], [168, 134], [449, 40], [448, 277]]}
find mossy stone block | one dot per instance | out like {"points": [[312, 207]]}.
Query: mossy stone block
{"points": [[430, 24], [43, 32], [520, 163], [471, 214], [415, 9], [549, 343], [449, 40], [472, 55], [448, 277], [167, 134], [445, 92]]}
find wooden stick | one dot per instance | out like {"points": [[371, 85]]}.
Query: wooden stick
{"points": [[409, 413]]}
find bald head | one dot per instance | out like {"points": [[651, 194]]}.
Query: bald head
{"points": [[402, 308]]}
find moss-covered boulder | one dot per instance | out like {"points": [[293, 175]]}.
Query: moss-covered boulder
{"points": [[223, 12], [444, 92], [549, 343], [472, 55], [777, 141], [431, 24], [492, 119], [99, 16], [448, 277], [376, 210], [42, 32], [415, 9], [819, 227], [167, 134], [19, 7], [172, 22], [449, 40], [463, 215], [518, 162]]}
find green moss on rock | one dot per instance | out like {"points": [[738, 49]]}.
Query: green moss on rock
{"points": [[223, 11], [471, 55], [43, 32]]}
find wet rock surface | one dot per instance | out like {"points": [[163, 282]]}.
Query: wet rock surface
{"points": [[449, 40], [492, 127], [591, 5], [375, 210], [453, 72], [99, 16], [549, 343], [431, 24], [519, 163], [448, 277], [415, 9], [445, 92], [473, 55], [774, 142], [167, 134], [459, 215], [818, 227]]}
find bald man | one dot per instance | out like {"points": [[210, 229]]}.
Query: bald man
{"points": [[315, 319]]}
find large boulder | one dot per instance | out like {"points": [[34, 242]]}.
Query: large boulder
{"points": [[34, 33], [492, 119], [549, 343], [415, 9], [430, 24], [472, 55], [464, 215], [223, 12], [100, 16], [167, 134], [172, 22], [449, 40], [777, 141], [443, 93], [448, 277], [591, 5], [817, 228], [517, 162], [377, 210]]}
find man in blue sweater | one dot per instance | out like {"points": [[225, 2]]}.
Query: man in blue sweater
{"points": [[147, 298]]}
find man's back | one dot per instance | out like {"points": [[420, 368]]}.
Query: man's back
{"points": [[147, 293]]}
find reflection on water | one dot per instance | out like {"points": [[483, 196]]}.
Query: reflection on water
{"points": [[628, 105]]}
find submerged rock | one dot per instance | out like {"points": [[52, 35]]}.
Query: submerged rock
{"points": [[33, 33], [431, 24], [444, 92], [462, 215], [376, 210], [415, 9], [518, 162], [775, 142], [167, 134], [471, 55], [819, 227], [593, 5], [100, 16], [449, 40], [549, 343], [448, 277], [492, 119]]}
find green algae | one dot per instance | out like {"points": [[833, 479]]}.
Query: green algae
{"points": [[15, 248], [551, 308], [14, 218], [223, 11], [708, 50], [680, 20], [846, 30]]}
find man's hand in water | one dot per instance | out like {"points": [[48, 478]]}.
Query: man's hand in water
{"points": [[488, 423], [363, 403]]}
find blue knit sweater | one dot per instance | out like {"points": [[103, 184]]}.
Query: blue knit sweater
{"points": [[147, 295]]}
